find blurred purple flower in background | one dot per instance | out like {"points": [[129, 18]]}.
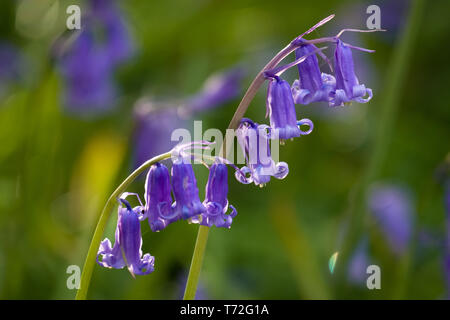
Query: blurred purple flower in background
{"points": [[11, 68], [447, 238], [358, 264], [117, 46], [87, 65], [156, 120], [393, 17], [218, 89], [392, 208], [216, 201], [443, 176], [154, 123]]}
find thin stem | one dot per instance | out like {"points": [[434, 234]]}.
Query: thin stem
{"points": [[89, 263], [196, 263]]}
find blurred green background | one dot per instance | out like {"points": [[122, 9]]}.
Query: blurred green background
{"points": [[57, 169]]}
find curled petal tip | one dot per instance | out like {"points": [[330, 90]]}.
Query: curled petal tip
{"points": [[307, 122]]}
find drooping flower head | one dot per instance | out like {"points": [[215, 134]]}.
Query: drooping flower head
{"points": [[158, 201], [312, 85], [280, 108], [392, 209], [127, 247], [216, 201], [184, 185], [254, 140], [347, 84]]}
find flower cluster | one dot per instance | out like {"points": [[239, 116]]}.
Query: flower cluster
{"points": [[160, 211], [311, 86]]}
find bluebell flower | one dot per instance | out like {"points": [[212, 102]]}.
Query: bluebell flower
{"points": [[216, 202], [254, 140], [312, 85], [158, 201], [280, 108], [347, 84], [88, 63], [184, 185], [392, 208], [128, 242]]}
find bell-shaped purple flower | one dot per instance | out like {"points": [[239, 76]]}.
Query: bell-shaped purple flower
{"points": [[254, 140], [392, 208], [154, 124], [158, 201], [216, 201], [312, 85], [347, 84], [184, 185], [281, 109], [127, 247]]}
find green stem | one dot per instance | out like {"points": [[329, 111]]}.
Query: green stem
{"points": [[196, 263], [89, 263]]}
